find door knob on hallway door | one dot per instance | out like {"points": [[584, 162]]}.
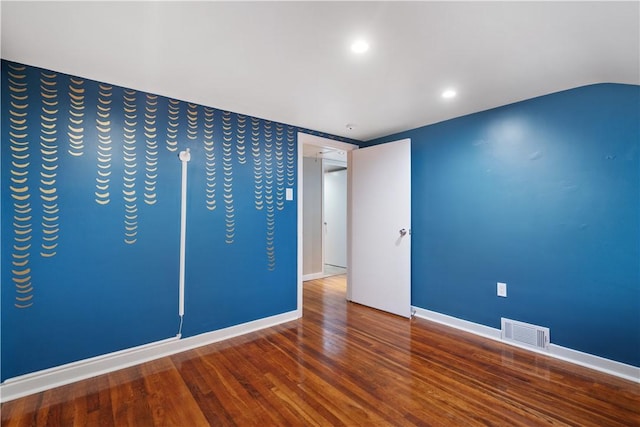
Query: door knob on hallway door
{"points": [[403, 231]]}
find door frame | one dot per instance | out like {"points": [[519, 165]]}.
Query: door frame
{"points": [[308, 139]]}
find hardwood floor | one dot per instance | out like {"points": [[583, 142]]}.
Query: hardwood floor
{"points": [[341, 364]]}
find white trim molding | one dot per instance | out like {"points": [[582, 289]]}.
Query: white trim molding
{"points": [[24, 385], [312, 276], [611, 367], [305, 138]]}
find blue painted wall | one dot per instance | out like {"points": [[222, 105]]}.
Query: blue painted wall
{"points": [[90, 218], [545, 196]]}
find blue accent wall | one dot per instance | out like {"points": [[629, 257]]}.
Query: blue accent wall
{"points": [[90, 218], [545, 196]]}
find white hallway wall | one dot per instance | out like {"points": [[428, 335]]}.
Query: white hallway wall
{"points": [[335, 217], [312, 216]]}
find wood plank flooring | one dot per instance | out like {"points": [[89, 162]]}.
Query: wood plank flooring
{"points": [[341, 364]]}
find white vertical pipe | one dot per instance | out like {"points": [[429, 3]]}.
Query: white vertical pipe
{"points": [[184, 156]]}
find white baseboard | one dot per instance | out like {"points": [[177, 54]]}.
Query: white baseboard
{"points": [[618, 369], [312, 276], [35, 382]]}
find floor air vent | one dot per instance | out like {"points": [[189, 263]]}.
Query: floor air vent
{"points": [[525, 333]]}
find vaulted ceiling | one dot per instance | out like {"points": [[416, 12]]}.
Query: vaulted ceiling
{"points": [[291, 61]]}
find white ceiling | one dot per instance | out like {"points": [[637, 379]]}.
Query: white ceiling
{"points": [[290, 61]]}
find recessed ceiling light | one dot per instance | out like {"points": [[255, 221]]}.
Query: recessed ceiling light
{"points": [[449, 93], [359, 46]]}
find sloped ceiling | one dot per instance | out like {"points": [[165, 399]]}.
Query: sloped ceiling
{"points": [[291, 61]]}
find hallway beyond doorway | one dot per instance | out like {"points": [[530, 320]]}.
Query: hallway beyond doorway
{"points": [[333, 270]]}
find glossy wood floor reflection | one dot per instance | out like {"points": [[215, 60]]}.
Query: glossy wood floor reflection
{"points": [[342, 364]]}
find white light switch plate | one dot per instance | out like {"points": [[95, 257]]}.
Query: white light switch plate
{"points": [[289, 194], [502, 289]]}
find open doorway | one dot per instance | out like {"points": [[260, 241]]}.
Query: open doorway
{"points": [[315, 156], [334, 208], [324, 211]]}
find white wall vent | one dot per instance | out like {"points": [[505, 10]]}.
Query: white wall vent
{"points": [[525, 334]]}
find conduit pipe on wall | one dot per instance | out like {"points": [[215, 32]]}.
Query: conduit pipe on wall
{"points": [[185, 157]]}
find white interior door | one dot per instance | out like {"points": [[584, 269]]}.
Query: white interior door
{"points": [[380, 220]]}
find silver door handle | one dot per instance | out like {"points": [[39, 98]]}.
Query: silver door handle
{"points": [[403, 231]]}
